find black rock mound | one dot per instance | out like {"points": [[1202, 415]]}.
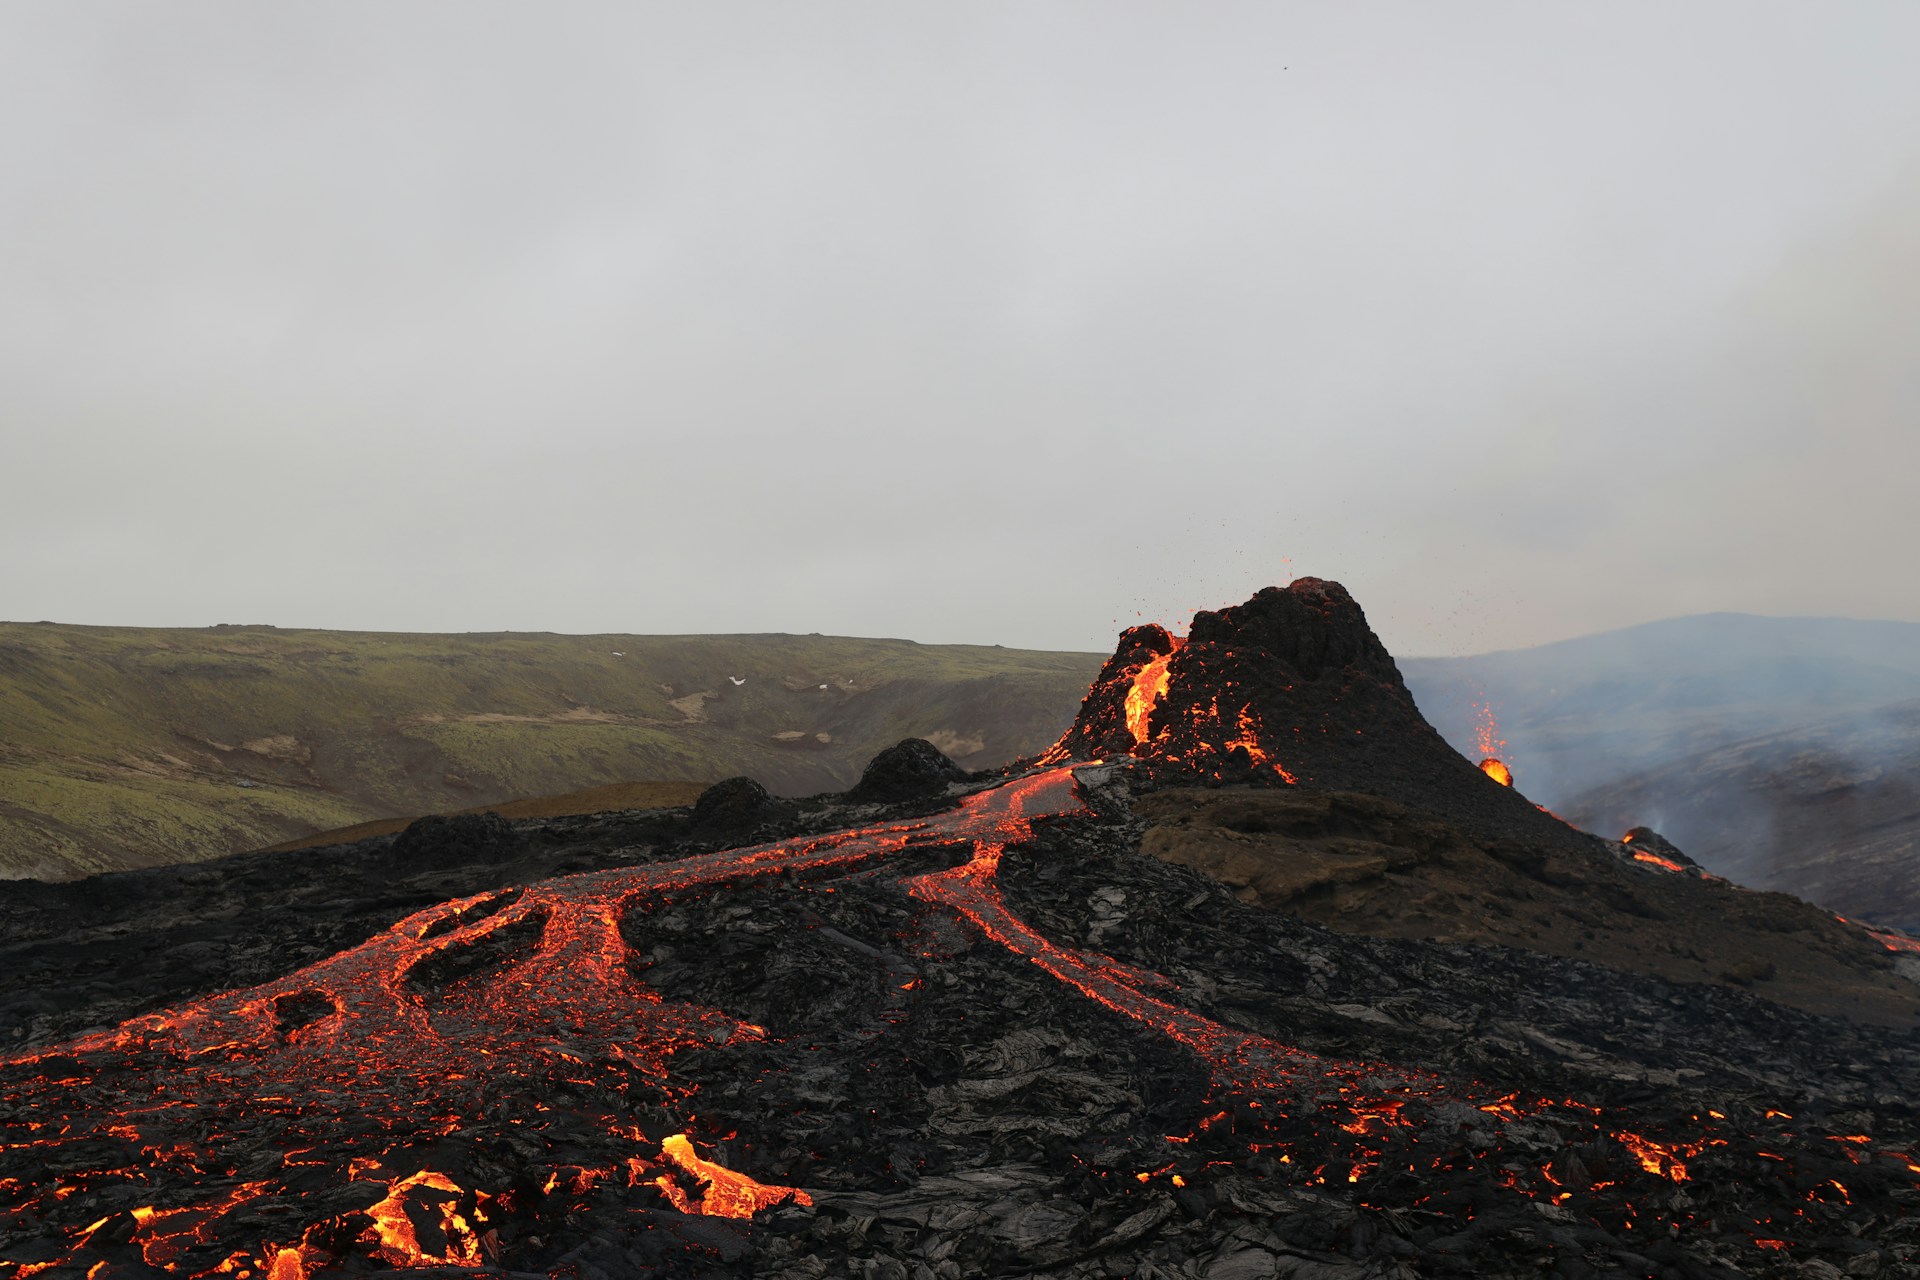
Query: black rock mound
{"points": [[453, 840], [911, 769], [734, 805]]}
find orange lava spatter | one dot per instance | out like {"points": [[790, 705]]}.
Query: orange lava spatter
{"points": [[1496, 768], [1486, 730]]}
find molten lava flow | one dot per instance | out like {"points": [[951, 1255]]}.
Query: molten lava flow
{"points": [[1653, 1157], [1655, 860], [1149, 683], [428, 1202], [1237, 1059], [1496, 768], [371, 1066], [729, 1194]]}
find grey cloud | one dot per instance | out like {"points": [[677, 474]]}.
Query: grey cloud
{"points": [[987, 323]]}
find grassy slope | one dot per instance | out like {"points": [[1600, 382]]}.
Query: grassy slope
{"points": [[128, 746]]}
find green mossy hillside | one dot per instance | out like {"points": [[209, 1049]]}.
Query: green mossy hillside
{"points": [[126, 747]]}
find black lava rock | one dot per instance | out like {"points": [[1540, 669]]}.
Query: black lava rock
{"points": [[909, 770], [452, 840], [733, 805]]}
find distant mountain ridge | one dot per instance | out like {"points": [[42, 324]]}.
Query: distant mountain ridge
{"points": [[125, 746], [1781, 752]]}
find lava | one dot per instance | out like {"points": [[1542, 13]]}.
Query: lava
{"points": [[1899, 942], [1487, 739], [417, 1031], [1145, 690], [729, 1194], [426, 1203]]}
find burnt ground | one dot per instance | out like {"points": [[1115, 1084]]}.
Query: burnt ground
{"points": [[1363, 864], [954, 1109]]}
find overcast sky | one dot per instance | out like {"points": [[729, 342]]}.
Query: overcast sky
{"points": [[960, 322]]}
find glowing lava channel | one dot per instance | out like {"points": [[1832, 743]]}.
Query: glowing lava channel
{"points": [[1237, 1059]]}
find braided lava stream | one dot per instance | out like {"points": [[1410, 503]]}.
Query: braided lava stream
{"points": [[353, 1075]]}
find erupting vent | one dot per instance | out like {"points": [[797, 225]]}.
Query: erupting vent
{"points": [[1290, 687]]}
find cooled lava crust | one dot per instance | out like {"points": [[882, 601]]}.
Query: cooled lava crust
{"points": [[948, 1035]]}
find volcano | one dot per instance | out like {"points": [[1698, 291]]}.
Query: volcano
{"points": [[957, 1025]]}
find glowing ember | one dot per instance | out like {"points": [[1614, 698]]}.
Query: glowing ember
{"points": [[1496, 769], [1249, 742], [1486, 730], [1653, 1157]]}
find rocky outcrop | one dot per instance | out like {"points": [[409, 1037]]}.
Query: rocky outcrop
{"points": [[911, 769], [453, 840], [733, 806]]}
